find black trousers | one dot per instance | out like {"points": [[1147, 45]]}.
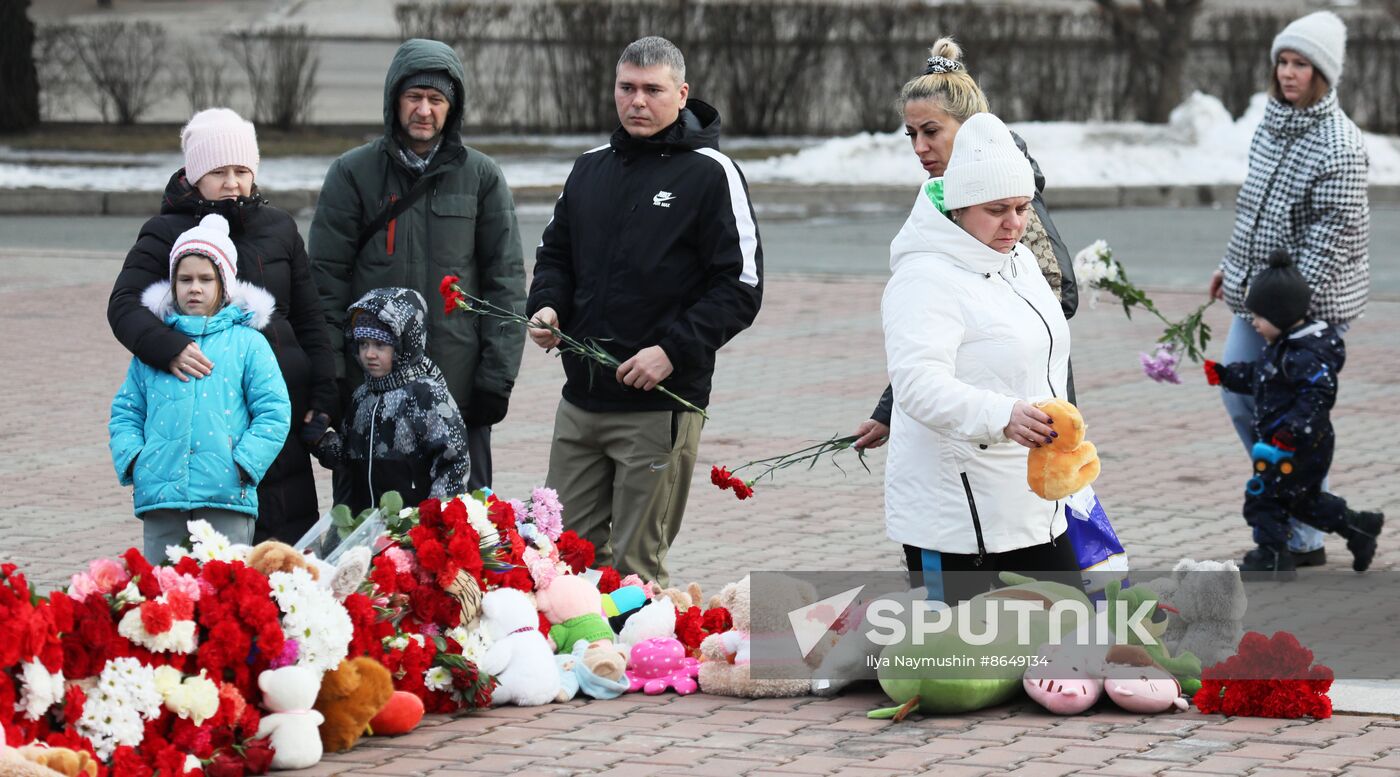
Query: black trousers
{"points": [[961, 576]]}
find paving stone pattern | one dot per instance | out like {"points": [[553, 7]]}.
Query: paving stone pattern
{"points": [[811, 367]]}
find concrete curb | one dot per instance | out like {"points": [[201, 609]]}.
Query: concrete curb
{"points": [[771, 200]]}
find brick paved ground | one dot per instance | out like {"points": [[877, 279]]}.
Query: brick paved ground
{"points": [[811, 367]]}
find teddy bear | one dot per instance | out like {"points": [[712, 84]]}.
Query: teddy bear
{"points": [[289, 693], [574, 608], [575, 678], [341, 578], [273, 556], [351, 695], [660, 663], [726, 657], [655, 620], [519, 657], [43, 761], [1209, 601], [1069, 462]]}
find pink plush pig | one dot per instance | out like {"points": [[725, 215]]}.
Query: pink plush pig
{"points": [[1064, 680]]}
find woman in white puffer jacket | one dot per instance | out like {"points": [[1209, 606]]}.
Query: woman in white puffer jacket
{"points": [[973, 336]]}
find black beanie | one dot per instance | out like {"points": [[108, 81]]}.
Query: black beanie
{"points": [[1279, 293]]}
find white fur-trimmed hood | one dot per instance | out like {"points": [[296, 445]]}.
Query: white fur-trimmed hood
{"points": [[160, 300]]}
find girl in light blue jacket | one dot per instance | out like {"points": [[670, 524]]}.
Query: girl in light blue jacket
{"points": [[195, 449]]}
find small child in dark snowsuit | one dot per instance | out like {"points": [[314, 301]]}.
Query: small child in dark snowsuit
{"points": [[402, 431], [1294, 384]]}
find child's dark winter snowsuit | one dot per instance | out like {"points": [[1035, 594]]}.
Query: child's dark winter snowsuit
{"points": [[1294, 384], [403, 432]]}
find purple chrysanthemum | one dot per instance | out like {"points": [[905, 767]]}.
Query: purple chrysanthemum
{"points": [[546, 512], [1161, 366]]}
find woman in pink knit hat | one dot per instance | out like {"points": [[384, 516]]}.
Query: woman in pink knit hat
{"points": [[220, 176]]}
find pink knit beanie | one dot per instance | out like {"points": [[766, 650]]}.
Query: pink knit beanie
{"points": [[209, 238], [217, 137]]}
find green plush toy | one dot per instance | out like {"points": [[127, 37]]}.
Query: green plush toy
{"points": [[1186, 668], [947, 675]]}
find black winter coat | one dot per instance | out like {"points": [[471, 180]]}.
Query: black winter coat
{"points": [[1294, 384], [270, 255], [653, 242], [402, 432]]}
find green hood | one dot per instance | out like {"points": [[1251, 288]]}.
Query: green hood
{"points": [[418, 55]]}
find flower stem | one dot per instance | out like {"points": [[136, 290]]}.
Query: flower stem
{"points": [[588, 349]]}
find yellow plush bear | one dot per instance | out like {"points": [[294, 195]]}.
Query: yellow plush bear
{"points": [[1067, 464]]}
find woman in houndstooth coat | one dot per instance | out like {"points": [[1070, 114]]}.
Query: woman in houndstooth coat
{"points": [[1305, 193]]}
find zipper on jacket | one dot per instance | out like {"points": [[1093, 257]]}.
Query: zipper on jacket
{"points": [[369, 475], [1050, 355], [976, 522]]}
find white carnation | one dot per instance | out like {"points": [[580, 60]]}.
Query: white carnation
{"points": [[41, 689]]}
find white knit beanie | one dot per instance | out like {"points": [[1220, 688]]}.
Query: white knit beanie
{"points": [[209, 238], [985, 165], [217, 137], [1321, 38]]}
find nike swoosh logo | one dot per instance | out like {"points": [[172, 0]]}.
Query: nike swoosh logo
{"points": [[659, 467]]}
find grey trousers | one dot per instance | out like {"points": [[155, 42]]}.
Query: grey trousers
{"points": [[624, 479], [162, 528]]}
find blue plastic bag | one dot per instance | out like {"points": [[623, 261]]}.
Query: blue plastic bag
{"points": [[1096, 546]]}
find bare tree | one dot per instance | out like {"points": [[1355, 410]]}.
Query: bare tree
{"points": [[60, 72], [19, 80], [201, 77], [124, 61], [1157, 37], [281, 64]]}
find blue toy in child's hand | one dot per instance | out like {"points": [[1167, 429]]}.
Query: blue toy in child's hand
{"points": [[1266, 458]]}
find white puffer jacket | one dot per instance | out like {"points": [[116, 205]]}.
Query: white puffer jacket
{"points": [[968, 332]]}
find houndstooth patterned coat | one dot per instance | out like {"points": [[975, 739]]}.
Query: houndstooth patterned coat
{"points": [[1305, 192]]}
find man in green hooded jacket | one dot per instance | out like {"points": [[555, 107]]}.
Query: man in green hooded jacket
{"points": [[413, 206]]}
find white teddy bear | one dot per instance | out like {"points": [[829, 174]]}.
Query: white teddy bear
{"points": [[289, 694], [519, 657]]}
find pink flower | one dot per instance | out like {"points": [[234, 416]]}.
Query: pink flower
{"points": [[170, 580], [401, 559], [542, 570], [518, 508], [81, 586], [109, 575], [291, 650], [546, 512], [1161, 366]]}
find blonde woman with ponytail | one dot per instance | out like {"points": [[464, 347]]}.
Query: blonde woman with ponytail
{"points": [[934, 106]]}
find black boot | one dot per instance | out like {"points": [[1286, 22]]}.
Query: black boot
{"points": [[1361, 531], [1274, 559]]}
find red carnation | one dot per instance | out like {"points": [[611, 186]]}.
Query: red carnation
{"points": [[515, 577], [575, 551], [720, 476], [257, 754], [716, 620], [225, 764], [610, 581], [689, 629], [502, 515], [156, 618], [741, 489]]}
